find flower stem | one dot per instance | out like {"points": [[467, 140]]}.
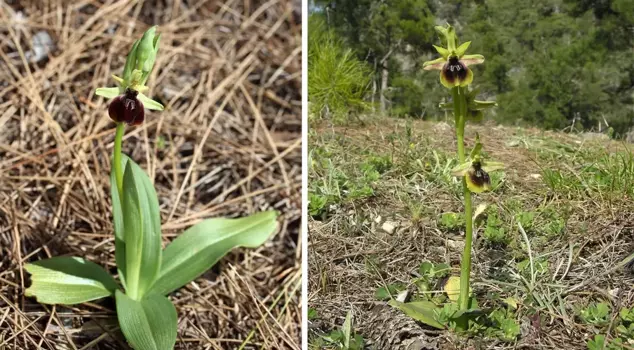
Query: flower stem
{"points": [[118, 172], [460, 108]]}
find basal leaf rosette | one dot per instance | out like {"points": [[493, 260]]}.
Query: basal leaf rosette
{"points": [[454, 62]]}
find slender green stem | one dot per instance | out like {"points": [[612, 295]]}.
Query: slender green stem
{"points": [[460, 111], [118, 171]]}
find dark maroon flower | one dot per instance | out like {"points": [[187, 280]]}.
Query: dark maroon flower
{"points": [[127, 108]]}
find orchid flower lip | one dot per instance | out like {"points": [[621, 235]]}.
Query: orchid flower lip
{"points": [[477, 179], [127, 108]]}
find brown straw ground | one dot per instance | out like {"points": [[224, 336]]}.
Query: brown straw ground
{"points": [[351, 253], [228, 144]]}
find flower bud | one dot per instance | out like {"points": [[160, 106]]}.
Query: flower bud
{"points": [[146, 51]]}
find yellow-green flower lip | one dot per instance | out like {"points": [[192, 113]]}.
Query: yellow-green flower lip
{"points": [[477, 179], [476, 173]]}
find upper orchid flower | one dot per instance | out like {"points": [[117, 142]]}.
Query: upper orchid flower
{"points": [[454, 64], [128, 98]]}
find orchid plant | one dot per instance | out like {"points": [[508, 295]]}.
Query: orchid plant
{"points": [[147, 273], [456, 75]]}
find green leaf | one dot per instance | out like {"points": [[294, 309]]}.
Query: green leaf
{"points": [[130, 61], [598, 343], [312, 314], [441, 270], [470, 313], [202, 245], [142, 231], [117, 215], [148, 324], [108, 92], [150, 103], [425, 268], [386, 292], [422, 311], [68, 280], [511, 302], [347, 330]]}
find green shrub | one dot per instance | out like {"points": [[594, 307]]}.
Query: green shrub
{"points": [[337, 80]]}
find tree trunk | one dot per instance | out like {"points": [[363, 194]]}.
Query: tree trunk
{"points": [[384, 79], [374, 86]]}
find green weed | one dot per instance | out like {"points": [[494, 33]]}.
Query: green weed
{"points": [[596, 314]]}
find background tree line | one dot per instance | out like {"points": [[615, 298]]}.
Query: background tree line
{"points": [[549, 63]]}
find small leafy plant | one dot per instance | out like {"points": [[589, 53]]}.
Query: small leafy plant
{"points": [[599, 342], [344, 338], [626, 328], [596, 314], [146, 272]]}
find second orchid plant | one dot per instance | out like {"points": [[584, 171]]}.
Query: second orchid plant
{"points": [[456, 76], [147, 273]]}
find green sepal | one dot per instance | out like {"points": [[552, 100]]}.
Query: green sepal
{"points": [[68, 280], [461, 169], [475, 152], [477, 148], [451, 38], [149, 323], [460, 51], [108, 92], [442, 51], [434, 64], [149, 103], [449, 34], [489, 166], [469, 60], [442, 30]]}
